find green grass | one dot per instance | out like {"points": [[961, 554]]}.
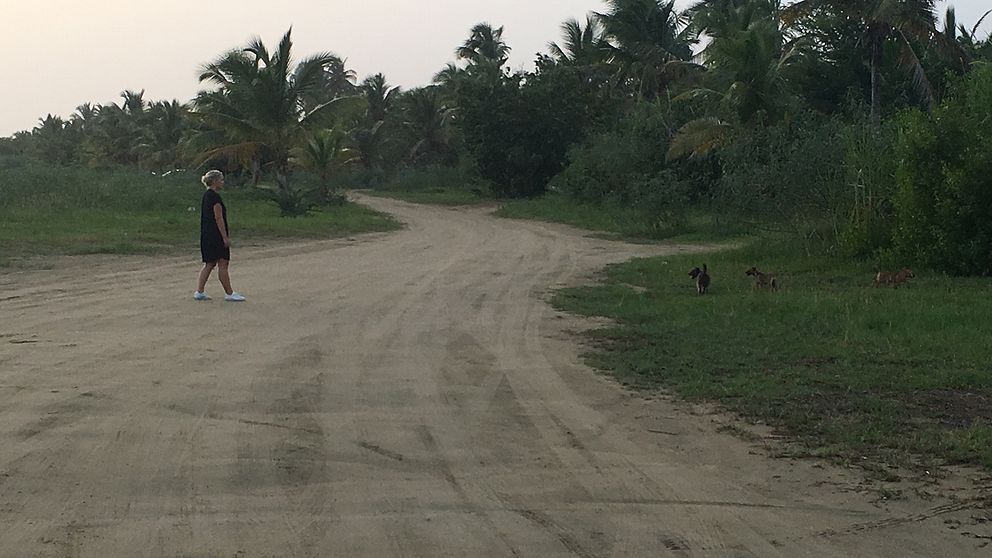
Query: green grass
{"points": [[50, 211], [621, 221], [850, 370]]}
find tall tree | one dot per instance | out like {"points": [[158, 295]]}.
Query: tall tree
{"points": [[897, 22], [429, 118], [379, 96], [650, 43], [260, 105], [581, 46], [485, 44]]}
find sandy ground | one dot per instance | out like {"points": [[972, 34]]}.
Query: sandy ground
{"points": [[405, 394]]}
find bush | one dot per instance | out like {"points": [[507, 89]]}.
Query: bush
{"points": [[870, 169], [518, 129], [944, 197], [792, 172], [626, 164]]}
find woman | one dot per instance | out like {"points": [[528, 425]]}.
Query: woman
{"points": [[215, 244]]}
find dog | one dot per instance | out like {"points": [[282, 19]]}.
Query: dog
{"points": [[762, 280], [893, 278], [702, 278]]}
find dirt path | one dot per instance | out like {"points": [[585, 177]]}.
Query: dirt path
{"points": [[406, 394]]}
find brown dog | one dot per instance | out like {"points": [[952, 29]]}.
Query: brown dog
{"points": [[893, 278], [702, 278], [762, 280]]}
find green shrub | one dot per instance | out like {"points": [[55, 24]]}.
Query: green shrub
{"points": [[870, 169], [626, 164], [791, 173], [944, 197]]}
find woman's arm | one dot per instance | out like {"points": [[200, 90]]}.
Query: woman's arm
{"points": [[221, 226]]}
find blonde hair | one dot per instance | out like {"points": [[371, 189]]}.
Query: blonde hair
{"points": [[210, 177]]}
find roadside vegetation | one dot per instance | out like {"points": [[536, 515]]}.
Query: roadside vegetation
{"points": [[50, 210], [893, 374], [831, 138]]}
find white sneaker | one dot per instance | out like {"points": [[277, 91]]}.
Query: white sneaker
{"points": [[197, 295], [235, 297]]}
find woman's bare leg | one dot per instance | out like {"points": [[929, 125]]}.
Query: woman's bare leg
{"points": [[224, 276], [201, 281]]}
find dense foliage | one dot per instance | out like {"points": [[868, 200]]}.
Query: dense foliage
{"points": [[859, 125]]}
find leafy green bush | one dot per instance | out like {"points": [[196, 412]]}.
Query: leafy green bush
{"points": [[944, 198], [791, 172], [870, 169], [626, 164], [518, 128]]}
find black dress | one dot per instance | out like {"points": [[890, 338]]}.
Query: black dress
{"points": [[211, 242]]}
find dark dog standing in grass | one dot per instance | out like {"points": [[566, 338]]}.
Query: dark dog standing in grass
{"points": [[702, 278], [762, 280]]}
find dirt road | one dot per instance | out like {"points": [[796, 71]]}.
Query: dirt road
{"points": [[407, 394]]}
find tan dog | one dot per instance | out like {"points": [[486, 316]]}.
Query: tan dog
{"points": [[762, 280], [702, 278], [893, 278]]}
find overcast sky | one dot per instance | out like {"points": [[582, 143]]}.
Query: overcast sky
{"points": [[58, 54]]}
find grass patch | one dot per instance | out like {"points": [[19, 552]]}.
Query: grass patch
{"points": [[850, 370], [50, 210], [619, 221], [437, 185]]}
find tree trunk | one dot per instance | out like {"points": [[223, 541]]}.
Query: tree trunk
{"points": [[876, 80]]}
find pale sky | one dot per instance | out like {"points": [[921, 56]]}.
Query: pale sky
{"points": [[58, 54]]}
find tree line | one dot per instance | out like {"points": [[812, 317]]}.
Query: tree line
{"points": [[860, 125]]}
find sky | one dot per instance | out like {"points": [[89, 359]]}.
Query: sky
{"points": [[59, 54]]}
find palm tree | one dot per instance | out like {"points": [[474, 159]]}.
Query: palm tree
{"points": [[650, 42], [900, 22], [165, 128], [114, 138], [52, 140], [260, 106], [430, 120], [335, 81], [368, 144], [749, 60], [324, 154], [134, 102], [581, 46], [749, 56], [85, 115], [379, 96], [484, 44]]}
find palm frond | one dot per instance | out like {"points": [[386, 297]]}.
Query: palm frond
{"points": [[698, 138], [911, 63]]}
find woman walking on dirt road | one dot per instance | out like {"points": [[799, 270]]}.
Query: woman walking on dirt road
{"points": [[215, 244]]}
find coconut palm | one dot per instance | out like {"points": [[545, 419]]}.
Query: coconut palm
{"points": [[166, 125], [260, 106], [335, 81], [52, 138], [484, 44], [581, 46], [324, 154], [897, 22], [649, 41], [430, 120], [750, 60], [379, 96], [749, 57], [134, 102]]}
